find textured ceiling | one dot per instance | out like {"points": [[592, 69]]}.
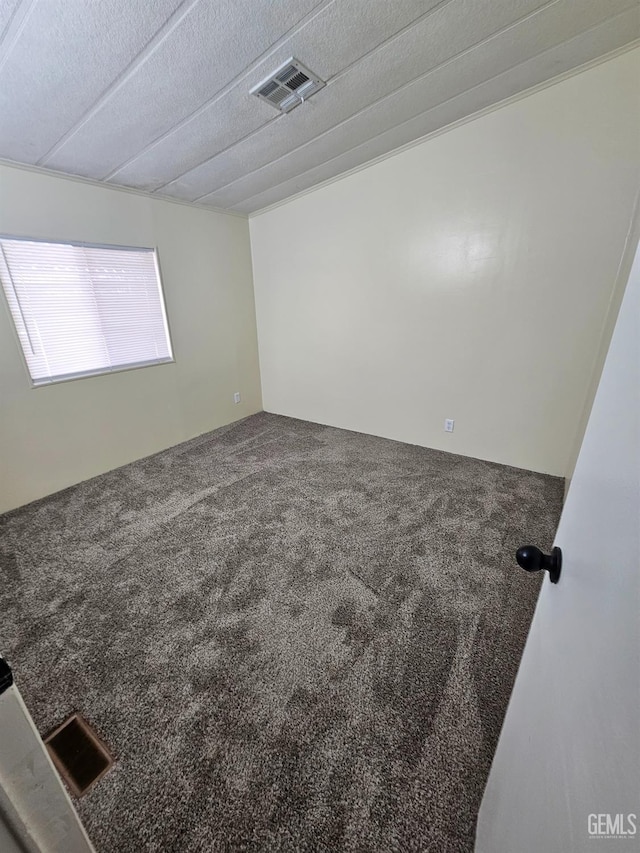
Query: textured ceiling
{"points": [[155, 95]]}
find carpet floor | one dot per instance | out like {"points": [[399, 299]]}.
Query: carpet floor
{"points": [[293, 637]]}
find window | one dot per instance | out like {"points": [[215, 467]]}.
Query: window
{"points": [[80, 310]]}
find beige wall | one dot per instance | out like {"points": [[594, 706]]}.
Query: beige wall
{"points": [[617, 293], [51, 437], [467, 277]]}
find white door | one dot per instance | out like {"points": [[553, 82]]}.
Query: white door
{"points": [[36, 814], [566, 774]]}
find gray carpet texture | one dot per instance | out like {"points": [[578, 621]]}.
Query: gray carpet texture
{"points": [[292, 637]]}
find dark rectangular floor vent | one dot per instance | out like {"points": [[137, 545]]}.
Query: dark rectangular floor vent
{"points": [[78, 754]]}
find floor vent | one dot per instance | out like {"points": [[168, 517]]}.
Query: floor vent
{"points": [[78, 753], [288, 86]]}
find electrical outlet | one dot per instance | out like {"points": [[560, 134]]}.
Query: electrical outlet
{"points": [[449, 424], [236, 397]]}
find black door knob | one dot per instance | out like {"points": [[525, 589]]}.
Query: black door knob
{"points": [[532, 560]]}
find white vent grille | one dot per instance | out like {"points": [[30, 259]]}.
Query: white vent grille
{"points": [[288, 86]]}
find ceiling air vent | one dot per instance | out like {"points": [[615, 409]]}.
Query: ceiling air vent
{"points": [[288, 86]]}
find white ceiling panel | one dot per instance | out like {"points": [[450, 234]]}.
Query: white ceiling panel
{"points": [[491, 58], [8, 19], [450, 29], [580, 50], [208, 48], [66, 55], [331, 40], [155, 95]]}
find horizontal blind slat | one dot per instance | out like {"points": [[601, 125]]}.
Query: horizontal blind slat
{"points": [[81, 309]]}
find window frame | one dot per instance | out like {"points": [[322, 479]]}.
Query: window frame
{"points": [[89, 373]]}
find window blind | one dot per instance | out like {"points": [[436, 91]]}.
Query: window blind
{"points": [[81, 310]]}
